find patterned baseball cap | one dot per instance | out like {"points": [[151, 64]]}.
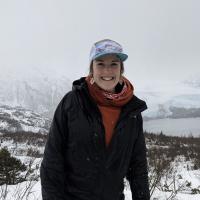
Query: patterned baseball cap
{"points": [[104, 47]]}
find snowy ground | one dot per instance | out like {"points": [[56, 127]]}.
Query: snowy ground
{"points": [[17, 192], [186, 179], [32, 190]]}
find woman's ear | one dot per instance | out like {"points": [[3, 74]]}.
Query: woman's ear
{"points": [[91, 69], [121, 80]]}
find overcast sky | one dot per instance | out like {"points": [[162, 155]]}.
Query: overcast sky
{"points": [[161, 37]]}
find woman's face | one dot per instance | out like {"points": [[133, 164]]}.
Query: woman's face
{"points": [[106, 72]]}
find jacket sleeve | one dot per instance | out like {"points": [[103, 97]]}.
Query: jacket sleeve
{"points": [[53, 170], [137, 172]]}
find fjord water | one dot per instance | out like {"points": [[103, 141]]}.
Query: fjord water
{"points": [[174, 127]]}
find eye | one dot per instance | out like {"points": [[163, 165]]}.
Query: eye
{"points": [[100, 64], [114, 64]]}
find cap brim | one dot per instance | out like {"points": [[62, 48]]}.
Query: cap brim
{"points": [[122, 56]]}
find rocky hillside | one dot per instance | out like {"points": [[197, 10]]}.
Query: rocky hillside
{"points": [[20, 119]]}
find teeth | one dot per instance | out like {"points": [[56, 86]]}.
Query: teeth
{"points": [[106, 79]]}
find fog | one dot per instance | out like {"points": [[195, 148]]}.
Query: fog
{"points": [[160, 37]]}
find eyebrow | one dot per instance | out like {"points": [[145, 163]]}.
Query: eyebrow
{"points": [[115, 61], [99, 60]]}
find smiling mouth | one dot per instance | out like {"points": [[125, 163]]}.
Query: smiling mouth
{"points": [[107, 78]]}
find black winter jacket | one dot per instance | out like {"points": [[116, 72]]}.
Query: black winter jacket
{"points": [[76, 164]]}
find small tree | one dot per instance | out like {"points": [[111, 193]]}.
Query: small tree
{"points": [[10, 168]]}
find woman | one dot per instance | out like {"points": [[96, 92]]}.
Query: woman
{"points": [[96, 137]]}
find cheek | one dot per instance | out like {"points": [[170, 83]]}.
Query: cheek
{"points": [[118, 73], [95, 72]]}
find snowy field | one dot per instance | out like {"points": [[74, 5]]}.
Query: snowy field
{"points": [[186, 179], [17, 192], [31, 190]]}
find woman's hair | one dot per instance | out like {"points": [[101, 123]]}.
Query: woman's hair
{"points": [[121, 63]]}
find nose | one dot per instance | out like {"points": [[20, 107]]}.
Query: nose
{"points": [[107, 68]]}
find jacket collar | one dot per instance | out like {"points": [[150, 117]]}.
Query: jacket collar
{"points": [[133, 107]]}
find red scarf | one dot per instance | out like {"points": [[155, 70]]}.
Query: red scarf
{"points": [[112, 96], [100, 99]]}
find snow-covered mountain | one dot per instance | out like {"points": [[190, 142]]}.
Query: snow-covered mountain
{"points": [[193, 82], [34, 89], [20, 119], [182, 101]]}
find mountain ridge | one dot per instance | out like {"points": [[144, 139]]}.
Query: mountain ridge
{"points": [[40, 90]]}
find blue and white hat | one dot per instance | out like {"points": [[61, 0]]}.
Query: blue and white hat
{"points": [[104, 47]]}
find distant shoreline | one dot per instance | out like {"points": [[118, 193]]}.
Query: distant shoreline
{"points": [[174, 127]]}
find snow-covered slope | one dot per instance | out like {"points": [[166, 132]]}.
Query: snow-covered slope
{"points": [[34, 89], [20, 119]]}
